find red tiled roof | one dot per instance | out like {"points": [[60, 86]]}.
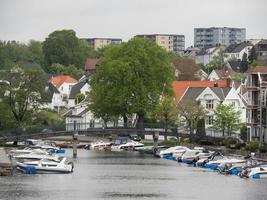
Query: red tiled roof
{"points": [[180, 87], [57, 81], [255, 70], [90, 63]]}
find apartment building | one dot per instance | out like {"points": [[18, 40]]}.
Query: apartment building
{"points": [[216, 36], [98, 43], [256, 86], [172, 43]]}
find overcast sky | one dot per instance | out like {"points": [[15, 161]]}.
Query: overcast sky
{"points": [[23, 20]]}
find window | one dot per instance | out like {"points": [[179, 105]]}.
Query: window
{"points": [[209, 120], [209, 104]]}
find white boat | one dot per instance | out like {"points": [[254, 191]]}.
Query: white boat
{"points": [[130, 145], [213, 157], [214, 164], [37, 155], [46, 166], [173, 151], [100, 145], [257, 172], [27, 150], [192, 156]]}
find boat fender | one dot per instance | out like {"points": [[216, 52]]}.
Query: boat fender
{"points": [[30, 169], [72, 166]]}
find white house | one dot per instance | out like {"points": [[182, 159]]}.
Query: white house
{"points": [[82, 87], [54, 99], [220, 74], [210, 97], [79, 115], [64, 84], [236, 51], [206, 55]]}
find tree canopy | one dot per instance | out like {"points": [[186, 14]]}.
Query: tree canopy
{"points": [[130, 78], [65, 48], [226, 118], [22, 90]]}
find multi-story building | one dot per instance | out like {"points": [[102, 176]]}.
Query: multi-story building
{"points": [[256, 86], [216, 36], [98, 43], [173, 43]]}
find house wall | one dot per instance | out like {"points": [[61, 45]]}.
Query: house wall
{"points": [[65, 89], [237, 55], [213, 76]]}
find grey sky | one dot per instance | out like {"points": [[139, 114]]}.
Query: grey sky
{"points": [[23, 20]]}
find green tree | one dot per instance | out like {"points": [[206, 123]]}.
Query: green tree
{"points": [[166, 111], [252, 56], [133, 75], [226, 118], [191, 112], [217, 62], [79, 97], [36, 52], [22, 91], [58, 69], [65, 48]]}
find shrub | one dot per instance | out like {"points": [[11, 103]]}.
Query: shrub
{"points": [[253, 145], [263, 148]]}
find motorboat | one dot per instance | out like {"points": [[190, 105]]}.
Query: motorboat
{"points": [[26, 150], [257, 172], [192, 156], [37, 155], [214, 164], [145, 149], [213, 157], [158, 150], [46, 166], [130, 145], [173, 152], [100, 145]]}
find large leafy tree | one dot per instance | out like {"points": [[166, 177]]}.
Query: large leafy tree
{"points": [[65, 48], [226, 118], [22, 91], [58, 69], [192, 112], [131, 77]]}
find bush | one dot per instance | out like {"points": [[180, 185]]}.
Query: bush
{"points": [[253, 145], [169, 143], [230, 143], [263, 148]]}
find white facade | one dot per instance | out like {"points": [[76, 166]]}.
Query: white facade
{"points": [[65, 89], [213, 76], [237, 55], [209, 55], [209, 100]]}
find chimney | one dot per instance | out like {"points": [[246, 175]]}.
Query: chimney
{"points": [[216, 84]]}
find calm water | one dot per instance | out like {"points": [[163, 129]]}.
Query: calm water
{"points": [[122, 175]]}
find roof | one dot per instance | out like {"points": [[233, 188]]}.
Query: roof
{"points": [[222, 73], [180, 87], [50, 90], [91, 63], [193, 92], [236, 48], [76, 89], [57, 81], [257, 69]]}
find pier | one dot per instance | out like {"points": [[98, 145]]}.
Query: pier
{"points": [[6, 167]]}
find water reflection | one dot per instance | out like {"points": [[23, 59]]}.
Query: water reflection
{"points": [[123, 175]]}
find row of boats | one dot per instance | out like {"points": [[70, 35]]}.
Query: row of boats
{"points": [[245, 167], [41, 157]]}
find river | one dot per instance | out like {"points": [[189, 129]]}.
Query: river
{"points": [[130, 175]]}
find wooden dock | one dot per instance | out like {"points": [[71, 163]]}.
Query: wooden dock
{"points": [[6, 168]]}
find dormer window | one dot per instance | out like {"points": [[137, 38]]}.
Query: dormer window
{"points": [[209, 104]]}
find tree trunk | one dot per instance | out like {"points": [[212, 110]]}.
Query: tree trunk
{"points": [[166, 128], [223, 132], [125, 121], [191, 128], [140, 121]]}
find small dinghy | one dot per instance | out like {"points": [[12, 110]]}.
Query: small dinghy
{"points": [[46, 166]]}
